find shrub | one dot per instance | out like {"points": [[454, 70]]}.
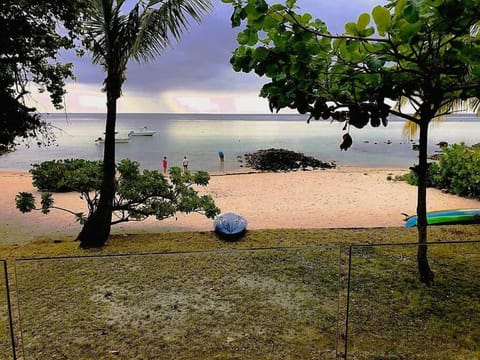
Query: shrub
{"points": [[138, 194], [457, 170], [66, 175]]}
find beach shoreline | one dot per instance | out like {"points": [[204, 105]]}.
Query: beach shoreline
{"points": [[345, 197]]}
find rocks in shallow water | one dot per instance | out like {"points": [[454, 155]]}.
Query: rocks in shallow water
{"points": [[284, 160]]}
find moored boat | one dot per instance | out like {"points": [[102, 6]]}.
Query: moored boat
{"points": [[120, 138], [142, 132]]}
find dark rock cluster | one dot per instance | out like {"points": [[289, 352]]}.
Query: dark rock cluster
{"points": [[284, 160]]}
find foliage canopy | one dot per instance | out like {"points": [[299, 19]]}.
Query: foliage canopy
{"points": [[28, 55], [138, 194], [406, 51]]}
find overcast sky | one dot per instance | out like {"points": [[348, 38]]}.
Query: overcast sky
{"points": [[195, 75]]}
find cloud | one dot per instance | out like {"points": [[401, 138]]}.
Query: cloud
{"points": [[199, 65]]}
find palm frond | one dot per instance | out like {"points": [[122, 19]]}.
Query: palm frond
{"points": [[409, 130], [474, 105], [114, 37], [402, 102], [164, 20]]}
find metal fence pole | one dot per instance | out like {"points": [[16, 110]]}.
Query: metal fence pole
{"points": [[9, 304]]}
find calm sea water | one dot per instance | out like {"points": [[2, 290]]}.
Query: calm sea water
{"points": [[201, 136]]}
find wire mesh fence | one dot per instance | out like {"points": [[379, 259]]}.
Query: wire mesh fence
{"points": [[243, 304], [278, 303], [392, 315]]}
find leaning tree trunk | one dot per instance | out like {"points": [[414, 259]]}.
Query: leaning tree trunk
{"points": [[425, 273], [96, 230]]}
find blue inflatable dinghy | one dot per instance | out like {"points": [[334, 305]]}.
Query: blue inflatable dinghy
{"points": [[230, 225]]}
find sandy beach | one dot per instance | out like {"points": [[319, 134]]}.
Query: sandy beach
{"points": [[345, 197]]}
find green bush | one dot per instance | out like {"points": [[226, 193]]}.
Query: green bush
{"points": [[458, 171], [412, 178], [138, 194], [66, 175]]}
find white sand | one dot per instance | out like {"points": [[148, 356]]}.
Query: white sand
{"points": [[340, 198]]}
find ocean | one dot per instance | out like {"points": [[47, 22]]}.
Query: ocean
{"points": [[201, 136]]}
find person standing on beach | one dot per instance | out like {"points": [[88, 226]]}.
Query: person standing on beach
{"points": [[185, 164], [221, 156], [165, 164]]}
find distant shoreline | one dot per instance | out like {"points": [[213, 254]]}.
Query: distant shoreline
{"points": [[62, 114]]}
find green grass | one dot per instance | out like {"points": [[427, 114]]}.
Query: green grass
{"points": [[395, 316], [193, 296], [261, 304]]}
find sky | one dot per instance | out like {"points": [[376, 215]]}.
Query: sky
{"points": [[194, 76]]}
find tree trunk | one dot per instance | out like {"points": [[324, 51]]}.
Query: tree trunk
{"points": [[96, 230], [425, 273]]}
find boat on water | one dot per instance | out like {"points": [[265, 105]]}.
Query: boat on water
{"points": [[101, 140], [144, 131], [230, 225], [119, 138], [447, 217]]}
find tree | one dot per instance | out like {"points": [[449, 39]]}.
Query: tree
{"points": [[115, 38], [28, 50], [421, 52], [138, 194]]}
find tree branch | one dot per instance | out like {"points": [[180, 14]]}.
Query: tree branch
{"points": [[404, 116]]}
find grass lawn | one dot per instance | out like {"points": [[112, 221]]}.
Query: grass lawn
{"points": [[272, 295]]}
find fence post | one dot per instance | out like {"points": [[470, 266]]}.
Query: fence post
{"points": [[9, 304]]}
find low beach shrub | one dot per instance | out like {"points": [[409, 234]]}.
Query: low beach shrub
{"points": [[457, 171], [138, 194], [284, 160], [66, 175]]}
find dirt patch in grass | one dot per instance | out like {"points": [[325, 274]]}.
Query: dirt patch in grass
{"points": [[244, 304]]}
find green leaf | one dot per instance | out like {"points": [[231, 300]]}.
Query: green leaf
{"points": [[363, 21], [25, 202], [305, 19], [261, 53], [399, 6], [408, 30], [237, 16], [367, 32], [46, 202], [382, 19], [411, 13], [351, 28], [242, 37], [291, 3]]}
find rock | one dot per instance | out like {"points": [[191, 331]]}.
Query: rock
{"points": [[284, 160]]}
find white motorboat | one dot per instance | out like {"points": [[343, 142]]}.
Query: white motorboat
{"points": [[144, 131], [119, 138]]}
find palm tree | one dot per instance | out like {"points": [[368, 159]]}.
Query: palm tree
{"points": [[114, 38]]}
